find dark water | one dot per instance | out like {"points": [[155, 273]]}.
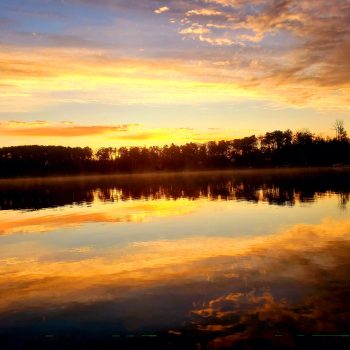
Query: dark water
{"points": [[245, 260]]}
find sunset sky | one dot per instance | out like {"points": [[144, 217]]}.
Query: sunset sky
{"points": [[143, 72]]}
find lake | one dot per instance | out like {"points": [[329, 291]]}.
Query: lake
{"points": [[255, 259]]}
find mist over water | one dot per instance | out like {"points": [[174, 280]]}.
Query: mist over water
{"points": [[250, 259]]}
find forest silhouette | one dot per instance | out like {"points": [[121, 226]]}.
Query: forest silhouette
{"points": [[274, 149]]}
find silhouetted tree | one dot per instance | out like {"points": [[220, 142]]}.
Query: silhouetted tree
{"points": [[340, 131], [276, 148]]}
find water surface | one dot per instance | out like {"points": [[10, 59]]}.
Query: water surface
{"points": [[249, 259]]}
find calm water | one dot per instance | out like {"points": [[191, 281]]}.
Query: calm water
{"points": [[245, 260]]}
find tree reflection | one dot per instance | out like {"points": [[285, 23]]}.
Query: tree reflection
{"points": [[275, 188]]}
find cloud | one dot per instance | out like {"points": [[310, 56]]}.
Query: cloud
{"points": [[204, 12], [297, 43], [161, 10], [219, 41], [48, 76], [146, 135], [123, 134], [37, 78], [46, 129], [195, 29], [286, 52], [18, 123]]}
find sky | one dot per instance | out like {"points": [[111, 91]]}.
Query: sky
{"points": [[150, 72]]}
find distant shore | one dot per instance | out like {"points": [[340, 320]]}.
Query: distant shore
{"points": [[206, 172]]}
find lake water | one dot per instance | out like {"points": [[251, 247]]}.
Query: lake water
{"points": [[246, 260]]}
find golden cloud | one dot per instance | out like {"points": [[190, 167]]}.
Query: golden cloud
{"points": [[57, 76]]}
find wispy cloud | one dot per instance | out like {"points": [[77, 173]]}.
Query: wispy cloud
{"points": [[46, 129]]}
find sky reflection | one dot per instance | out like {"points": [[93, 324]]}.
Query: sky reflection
{"points": [[221, 271]]}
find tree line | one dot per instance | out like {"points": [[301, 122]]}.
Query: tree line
{"points": [[276, 148]]}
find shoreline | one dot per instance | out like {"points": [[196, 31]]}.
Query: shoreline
{"points": [[93, 176]]}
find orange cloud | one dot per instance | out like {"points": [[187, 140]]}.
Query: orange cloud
{"points": [[66, 130]]}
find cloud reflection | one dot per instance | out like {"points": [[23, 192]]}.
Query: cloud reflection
{"points": [[130, 211], [251, 266]]}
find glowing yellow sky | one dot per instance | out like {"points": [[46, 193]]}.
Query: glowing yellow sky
{"points": [[180, 72]]}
